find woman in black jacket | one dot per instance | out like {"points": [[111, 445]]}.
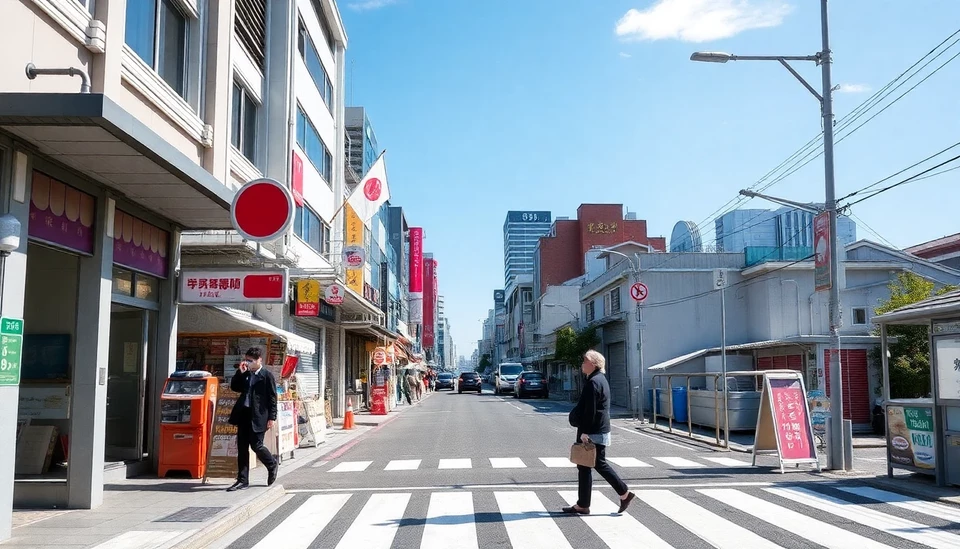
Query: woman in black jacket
{"points": [[591, 417]]}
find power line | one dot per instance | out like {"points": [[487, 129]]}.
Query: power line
{"points": [[891, 176], [869, 228], [904, 181]]}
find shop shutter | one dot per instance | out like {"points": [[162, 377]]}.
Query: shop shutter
{"points": [[786, 362], [617, 374], [308, 367], [856, 384]]}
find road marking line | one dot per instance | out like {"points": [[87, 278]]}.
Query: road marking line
{"points": [[658, 439], [527, 522], [320, 463], [403, 465], [459, 463], [812, 530], [628, 462], [450, 523], [351, 467], [713, 529], [893, 525], [905, 502], [679, 462], [377, 524], [507, 463], [302, 526], [617, 531], [557, 462], [141, 539], [728, 462], [525, 487]]}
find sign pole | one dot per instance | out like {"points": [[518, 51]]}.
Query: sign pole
{"points": [[723, 359]]}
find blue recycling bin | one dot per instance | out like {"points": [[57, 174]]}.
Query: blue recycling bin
{"points": [[680, 404]]}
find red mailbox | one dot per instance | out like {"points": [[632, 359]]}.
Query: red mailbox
{"points": [[187, 406]]}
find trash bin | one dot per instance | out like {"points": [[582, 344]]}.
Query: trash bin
{"points": [[680, 404]]}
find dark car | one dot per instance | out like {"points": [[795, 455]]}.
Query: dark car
{"points": [[531, 383], [470, 381], [444, 381]]}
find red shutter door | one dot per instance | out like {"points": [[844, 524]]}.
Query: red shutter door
{"points": [[789, 362], [856, 384], [765, 363]]}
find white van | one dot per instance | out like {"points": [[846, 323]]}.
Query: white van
{"points": [[505, 378]]}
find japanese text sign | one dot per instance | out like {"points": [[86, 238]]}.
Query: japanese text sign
{"points": [[254, 286], [11, 347], [791, 419]]}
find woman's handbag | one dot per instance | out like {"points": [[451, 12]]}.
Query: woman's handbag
{"points": [[584, 453]]}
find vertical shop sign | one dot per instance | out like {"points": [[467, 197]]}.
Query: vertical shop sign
{"points": [[308, 298], [11, 346], [61, 215], [354, 238], [296, 181], [823, 247], [429, 304], [416, 275], [139, 245]]}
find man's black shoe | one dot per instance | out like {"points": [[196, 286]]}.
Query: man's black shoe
{"points": [[272, 474], [238, 486]]}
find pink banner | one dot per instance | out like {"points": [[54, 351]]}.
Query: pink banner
{"points": [[61, 214], [429, 302], [139, 245], [416, 260]]}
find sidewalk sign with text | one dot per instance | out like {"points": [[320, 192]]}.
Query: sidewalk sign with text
{"points": [[222, 456], [783, 422]]}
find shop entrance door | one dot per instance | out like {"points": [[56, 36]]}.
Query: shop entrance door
{"points": [[125, 384]]}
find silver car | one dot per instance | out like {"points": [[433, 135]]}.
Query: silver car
{"points": [[505, 378]]}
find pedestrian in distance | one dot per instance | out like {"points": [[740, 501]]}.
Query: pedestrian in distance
{"points": [[413, 386], [254, 414], [591, 417]]}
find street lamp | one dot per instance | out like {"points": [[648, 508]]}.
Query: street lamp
{"points": [[823, 59], [576, 317], [635, 269]]}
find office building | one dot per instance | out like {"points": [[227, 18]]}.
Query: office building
{"points": [[521, 231], [686, 237], [770, 230]]}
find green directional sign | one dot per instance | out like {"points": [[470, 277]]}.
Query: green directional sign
{"points": [[11, 347]]}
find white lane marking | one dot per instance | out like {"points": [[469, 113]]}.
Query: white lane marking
{"points": [[527, 522], [812, 530], [459, 463], [557, 486], [715, 530], [141, 539], [895, 526], [617, 531], [558, 462], [658, 439], [679, 462], [628, 462], [728, 462], [403, 465], [320, 464], [351, 467], [377, 524], [451, 523], [507, 463], [302, 526], [938, 510]]}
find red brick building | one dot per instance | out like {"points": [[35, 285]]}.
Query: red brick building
{"points": [[560, 256]]}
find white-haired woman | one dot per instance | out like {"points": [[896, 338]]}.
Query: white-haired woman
{"points": [[591, 417]]}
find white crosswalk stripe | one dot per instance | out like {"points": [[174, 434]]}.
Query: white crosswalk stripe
{"points": [[351, 467], [679, 462], [721, 517], [628, 462], [462, 463], [507, 463], [673, 462], [728, 462], [403, 465], [557, 462]]}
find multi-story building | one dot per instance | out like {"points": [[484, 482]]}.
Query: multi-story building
{"points": [[441, 333], [521, 231], [362, 148], [398, 285], [686, 237], [768, 230]]}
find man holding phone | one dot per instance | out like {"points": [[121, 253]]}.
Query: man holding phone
{"points": [[254, 414]]}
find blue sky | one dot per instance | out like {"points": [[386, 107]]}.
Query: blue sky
{"points": [[502, 105]]}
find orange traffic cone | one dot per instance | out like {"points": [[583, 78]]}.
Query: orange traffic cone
{"points": [[348, 417]]}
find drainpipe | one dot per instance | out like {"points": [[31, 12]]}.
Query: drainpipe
{"points": [[794, 282], [33, 72]]}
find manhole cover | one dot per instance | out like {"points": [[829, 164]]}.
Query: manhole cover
{"points": [[192, 514]]}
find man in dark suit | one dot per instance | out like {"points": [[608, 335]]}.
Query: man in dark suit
{"points": [[254, 414]]}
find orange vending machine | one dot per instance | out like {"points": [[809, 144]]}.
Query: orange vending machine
{"points": [[186, 419]]}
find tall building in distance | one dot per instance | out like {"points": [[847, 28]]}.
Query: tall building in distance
{"points": [[362, 149], [521, 231], [441, 333], [686, 237], [773, 229]]}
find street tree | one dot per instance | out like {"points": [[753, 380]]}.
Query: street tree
{"points": [[910, 351], [485, 363]]}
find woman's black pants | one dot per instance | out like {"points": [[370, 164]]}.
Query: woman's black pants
{"points": [[586, 478]]}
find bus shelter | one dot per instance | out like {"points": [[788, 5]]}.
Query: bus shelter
{"points": [[923, 434]]}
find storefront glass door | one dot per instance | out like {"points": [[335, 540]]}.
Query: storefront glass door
{"points": [[126, 384]]}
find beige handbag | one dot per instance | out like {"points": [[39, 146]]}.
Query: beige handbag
{"points": [[584, 453]]}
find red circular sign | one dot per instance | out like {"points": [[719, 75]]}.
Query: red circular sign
{"points": [[372, 189], [639, 291], [262, 210]]}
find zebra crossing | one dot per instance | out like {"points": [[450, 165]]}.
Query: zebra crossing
{"points": [[672, 462], [835, 516]]}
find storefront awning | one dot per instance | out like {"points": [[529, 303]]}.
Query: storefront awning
{"points": [[369, 329], [93, 135], [196, 320]]}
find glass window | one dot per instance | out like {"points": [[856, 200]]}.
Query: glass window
{"points": [[148, 287], [243, 133], [308, 51], [314, 147], [859, 316], [615, 300], [312, 230], [122, 281], [157, 31]]}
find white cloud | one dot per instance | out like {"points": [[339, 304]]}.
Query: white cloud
{"points": [[700, 20], [625, 55], [368, 5], [853, 88]]}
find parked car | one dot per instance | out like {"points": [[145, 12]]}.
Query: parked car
{"points": [[531, 383], [506, 376], [470, 381], [444, 381]]}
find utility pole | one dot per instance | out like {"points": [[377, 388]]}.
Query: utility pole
{"points": [[642, 396]]}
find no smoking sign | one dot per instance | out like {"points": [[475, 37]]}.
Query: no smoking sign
{"points": [[639, 292]]}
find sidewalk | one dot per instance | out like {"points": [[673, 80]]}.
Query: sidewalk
{"points": [[154, 513]]}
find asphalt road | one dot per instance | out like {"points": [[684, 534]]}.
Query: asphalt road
{"points": [[492, 471]]}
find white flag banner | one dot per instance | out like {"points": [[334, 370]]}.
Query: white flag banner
{"points": [[371, 193]]}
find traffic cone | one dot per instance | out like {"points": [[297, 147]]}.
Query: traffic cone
{"points": [[348, 417]]}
